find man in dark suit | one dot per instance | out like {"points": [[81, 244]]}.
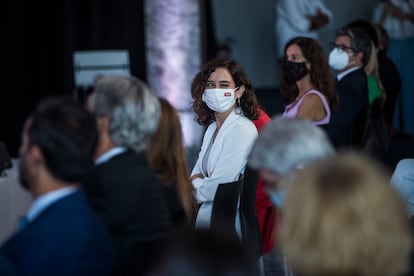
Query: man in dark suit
{"points": [[122, 188], [388, 72], [350, 53], [60, 234]]}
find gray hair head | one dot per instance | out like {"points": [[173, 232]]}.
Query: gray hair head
{"points": [[132, 108], [360, 41], [286, 144]]}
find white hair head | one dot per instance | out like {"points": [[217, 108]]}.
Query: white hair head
{"points": [[132, 108], [286, 144]]}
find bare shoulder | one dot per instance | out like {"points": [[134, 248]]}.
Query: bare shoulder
{"points": [[312, 99], [311, 107]]}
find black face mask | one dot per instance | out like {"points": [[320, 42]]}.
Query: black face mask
{"points": [[294, 71]]}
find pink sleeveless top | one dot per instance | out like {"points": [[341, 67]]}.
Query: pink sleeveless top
{"points": [[291, 111]]}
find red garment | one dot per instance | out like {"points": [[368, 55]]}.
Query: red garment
{"points": [[266, 212], [262, 120]]}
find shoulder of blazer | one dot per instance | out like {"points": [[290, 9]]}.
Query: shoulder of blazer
{"points": [[357, 75]]}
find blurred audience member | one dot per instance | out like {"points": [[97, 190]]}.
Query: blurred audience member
{"points": [[342, 217], [283, 146], [122, 188], [383, 77], [377, 135], [397, 18], [166, 156], [299, 18], [307, 82], [375, 87], [390, 76], [60, 234], [403, 179], [266, 213], [203, 252], [6, 267], [350, 53]]}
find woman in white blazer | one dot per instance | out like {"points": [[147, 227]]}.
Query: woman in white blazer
{"points": [[225, 102]]}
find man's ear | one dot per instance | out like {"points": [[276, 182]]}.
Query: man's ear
{"points": [[102, 124], [35, 154], [360, 56]]}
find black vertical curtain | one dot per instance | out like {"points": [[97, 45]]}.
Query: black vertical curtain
{"points": [[208, 34], [39, 39]]}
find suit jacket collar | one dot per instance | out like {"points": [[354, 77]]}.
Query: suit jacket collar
{"points": [[44, 201], [341, 75], [109, 154]]}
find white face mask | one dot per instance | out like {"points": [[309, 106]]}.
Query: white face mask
{"points": [[220, 100], [338, 59], [278, 198]]}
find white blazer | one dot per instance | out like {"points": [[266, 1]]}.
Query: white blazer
{"points": [[227, 160]]}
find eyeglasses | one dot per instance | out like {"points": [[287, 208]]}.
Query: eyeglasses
{"points": [[341, 46]]}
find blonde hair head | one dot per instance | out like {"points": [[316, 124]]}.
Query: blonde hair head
{"points": [[342, 217]]}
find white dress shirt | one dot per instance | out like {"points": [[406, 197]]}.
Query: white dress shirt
{"points": [[292, 21], [44, 201], [396, 28], [109, 154], [346, 72]]}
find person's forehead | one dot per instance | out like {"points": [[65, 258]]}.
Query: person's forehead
{"points": [[220, 74], [343, 40], [294, 49]]}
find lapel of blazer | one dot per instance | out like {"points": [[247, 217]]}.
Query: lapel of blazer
{"points": [[221, 135]]}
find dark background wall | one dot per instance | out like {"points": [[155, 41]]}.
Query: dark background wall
{"points": [[39, 39], [249, 28]]}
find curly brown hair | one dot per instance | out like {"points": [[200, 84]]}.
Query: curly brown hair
{"points": [[248, 102], [321, 78]]}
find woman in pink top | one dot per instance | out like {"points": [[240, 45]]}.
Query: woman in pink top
{"points": [[307, 82]]}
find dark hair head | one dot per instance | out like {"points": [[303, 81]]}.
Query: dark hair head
{"points": [[360, 41], [383, 37], [320, 73], [366, 27], [248, 101], [66, 134]]}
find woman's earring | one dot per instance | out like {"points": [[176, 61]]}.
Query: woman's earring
{"points": [[238, 101]]}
